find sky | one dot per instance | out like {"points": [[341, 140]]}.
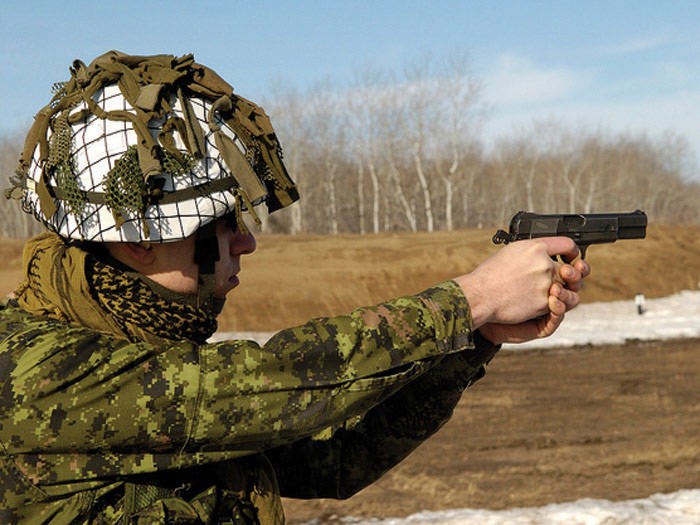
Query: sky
{"points": [[611, 65]]}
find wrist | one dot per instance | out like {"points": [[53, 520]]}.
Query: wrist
{"points": [[487, 335], [478, 307]]}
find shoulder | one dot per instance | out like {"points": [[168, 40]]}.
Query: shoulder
{"points": [[26, 337], [14, 319]]}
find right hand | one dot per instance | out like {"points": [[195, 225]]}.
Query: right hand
{"points": [[521, 293]]}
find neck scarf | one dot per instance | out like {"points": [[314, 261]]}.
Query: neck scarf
{"points": [[65, 282]]}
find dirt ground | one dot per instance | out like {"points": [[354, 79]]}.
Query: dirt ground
{"points": [[542, 426]]}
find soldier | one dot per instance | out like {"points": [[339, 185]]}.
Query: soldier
{"points": [[113, 406]]}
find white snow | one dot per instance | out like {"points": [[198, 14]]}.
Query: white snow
{"points": [[674, 317], [679, 508]]}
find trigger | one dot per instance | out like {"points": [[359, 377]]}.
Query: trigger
{"points": [[582, 253]]}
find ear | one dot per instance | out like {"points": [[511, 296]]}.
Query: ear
{"points": [[141, 253]]}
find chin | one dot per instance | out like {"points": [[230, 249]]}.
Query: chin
{"points": [[223, 291]]}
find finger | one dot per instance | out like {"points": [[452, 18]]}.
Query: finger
{"points": [[549, 324], [569, 298], [570, 277], [574, 274], [557, 274], [583, 267], [562, 246], [556, 306]]}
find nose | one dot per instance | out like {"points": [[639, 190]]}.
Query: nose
{"points": [[242, 243]]}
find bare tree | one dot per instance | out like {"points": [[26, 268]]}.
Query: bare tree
{"points": [[457, 117], [586, 171], [367, 128], [287, 112], [404, 153], [13, 221]]}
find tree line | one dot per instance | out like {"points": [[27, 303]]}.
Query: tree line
{"points": [[404, 151]]}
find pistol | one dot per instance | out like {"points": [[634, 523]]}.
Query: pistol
{"points": [[584, 228]]}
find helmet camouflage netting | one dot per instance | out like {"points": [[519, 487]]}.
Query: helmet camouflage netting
{"points": [[148, 148]]}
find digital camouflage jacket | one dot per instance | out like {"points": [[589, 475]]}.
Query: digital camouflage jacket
{"points": [[95, 428]]}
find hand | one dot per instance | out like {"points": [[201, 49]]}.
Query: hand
{"points": [[521, 293], [563, 296]]}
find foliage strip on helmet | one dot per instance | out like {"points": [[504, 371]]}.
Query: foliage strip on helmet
{"points": [[181, 149]]}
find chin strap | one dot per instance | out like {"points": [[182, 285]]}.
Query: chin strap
{"points": [[205, 255]]}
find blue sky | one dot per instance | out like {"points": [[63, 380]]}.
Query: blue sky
{"points": [[614, 65]]}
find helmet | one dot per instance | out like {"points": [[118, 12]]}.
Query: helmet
{"points": [[148, 148]]}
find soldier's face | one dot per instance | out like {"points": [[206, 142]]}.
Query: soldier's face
{"points": [[232, 245], [172, 264]]}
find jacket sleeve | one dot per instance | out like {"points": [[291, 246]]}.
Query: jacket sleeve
{"points": [[358, 454], [78, 404]]}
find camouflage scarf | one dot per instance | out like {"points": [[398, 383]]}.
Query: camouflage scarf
{"points": [[65, 282]]}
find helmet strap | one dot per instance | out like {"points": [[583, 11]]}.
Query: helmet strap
{"points": [[205, 255]]}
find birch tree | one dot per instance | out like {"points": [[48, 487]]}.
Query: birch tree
{"points": [[456, 127], [286, 109], [366, 122], [13, 221]]}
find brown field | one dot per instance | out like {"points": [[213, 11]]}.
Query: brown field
{"points": [[542, 426], [290, 279]]}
